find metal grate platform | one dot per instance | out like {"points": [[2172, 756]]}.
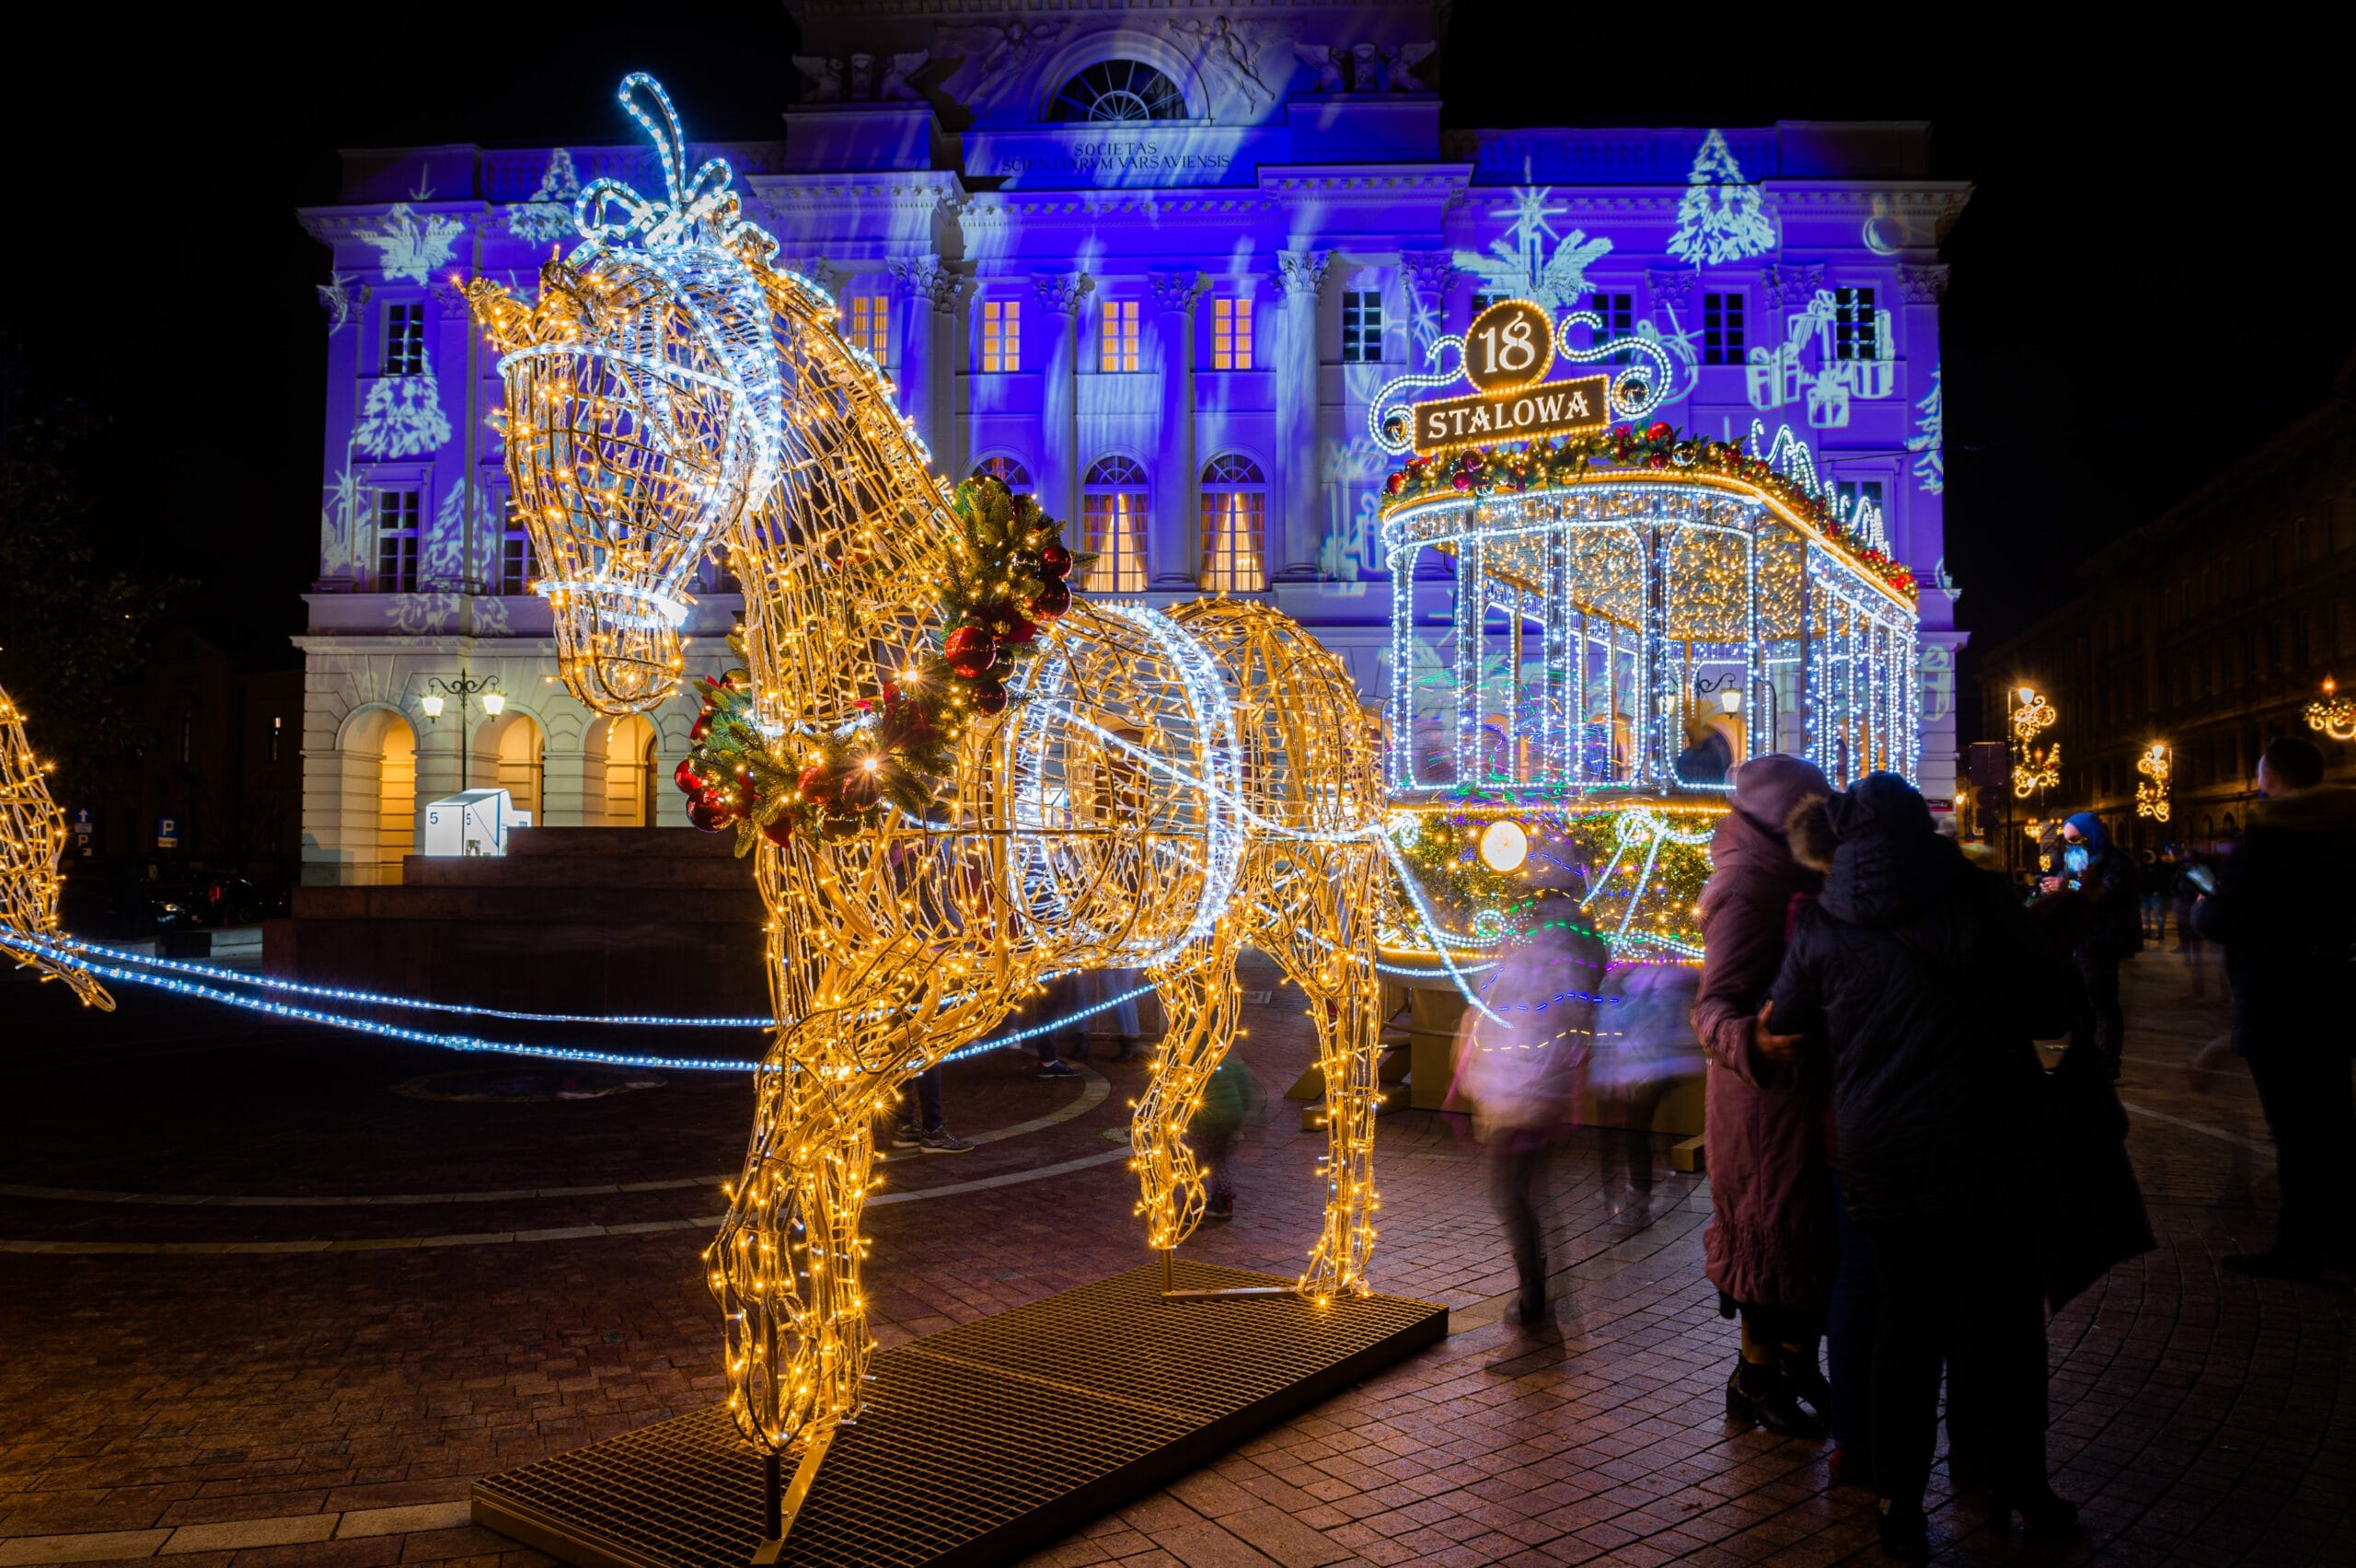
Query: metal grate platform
{"points": [[981, 1443]]}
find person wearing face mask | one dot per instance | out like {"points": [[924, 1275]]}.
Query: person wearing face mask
{"points": [[2090, 866]]}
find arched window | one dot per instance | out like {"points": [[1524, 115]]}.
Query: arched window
{"points": [[1118, 91], [1113, 502], [1008, 471], [1235, 519]]}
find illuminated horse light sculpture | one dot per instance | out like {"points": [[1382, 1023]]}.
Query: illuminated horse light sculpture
{"points": [[1155, 791]]}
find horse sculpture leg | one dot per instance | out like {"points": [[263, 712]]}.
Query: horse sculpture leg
{"points": [[1199, 994], [1323, 936], [785, 1266]]}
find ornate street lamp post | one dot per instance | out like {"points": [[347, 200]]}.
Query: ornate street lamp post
{"points": [[2152, 797], [465, 686]]}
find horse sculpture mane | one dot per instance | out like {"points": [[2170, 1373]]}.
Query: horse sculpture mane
{"points": [[1159, 791]]}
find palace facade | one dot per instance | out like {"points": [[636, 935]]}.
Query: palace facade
{"points": [[1152, 264]]}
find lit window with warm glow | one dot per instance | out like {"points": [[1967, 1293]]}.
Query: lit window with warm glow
{"points": [[871, 325], [1235, 519], [1113, 502], [1008, 471], [1117, 337], [1002, 335], [1230, 334]]}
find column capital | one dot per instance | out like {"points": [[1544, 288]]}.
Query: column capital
{"points": [[1062, 291], [1429, 272], [1671, 286], [1176, 291], [927, 277], [816, 270], [1925, 285], [1788, 287], [1301, 273]]}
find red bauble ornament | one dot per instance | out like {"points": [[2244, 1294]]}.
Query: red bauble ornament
{"points": [[709, 812], [686, 777], [971, 650], [1658, 460], [1056, 561], [1018, 630], [701, 727], [1051, 601], [989, 697], [778, 830], [1462, 481], [1660, 429], [816, 783], [1396, 484], [862, 788]]}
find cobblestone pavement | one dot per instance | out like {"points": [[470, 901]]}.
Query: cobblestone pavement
{"points": [[227, 1392]]}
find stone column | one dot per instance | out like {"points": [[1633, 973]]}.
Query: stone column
{"points": [[1174, 556], [1429, 275], [1301, 276], [1061, 297], [928, 292]]}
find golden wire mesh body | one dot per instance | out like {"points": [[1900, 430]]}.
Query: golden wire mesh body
{"points": [[32, 836], [1161, 791]]}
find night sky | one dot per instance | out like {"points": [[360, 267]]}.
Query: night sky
{"points": [[2148, 281]]}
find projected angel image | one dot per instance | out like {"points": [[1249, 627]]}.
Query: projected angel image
{"points": [[957, 778]]}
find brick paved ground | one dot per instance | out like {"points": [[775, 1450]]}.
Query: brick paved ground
{"points": [[338, 1403]]}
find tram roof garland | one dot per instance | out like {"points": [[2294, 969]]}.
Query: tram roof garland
{"points": [[1624, 452]]}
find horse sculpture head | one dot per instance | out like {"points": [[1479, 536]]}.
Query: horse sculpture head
{"points": [[643, 410]]}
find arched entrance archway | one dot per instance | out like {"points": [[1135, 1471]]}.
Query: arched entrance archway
{"points": [[377, 782]]}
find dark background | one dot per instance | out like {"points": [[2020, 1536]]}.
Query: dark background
{"points": [[2148, 281]]}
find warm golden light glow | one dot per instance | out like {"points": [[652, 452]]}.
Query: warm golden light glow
{"points": [[32, 836]]}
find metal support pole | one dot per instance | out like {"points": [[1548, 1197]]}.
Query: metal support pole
{"points": [[772, 1509]]}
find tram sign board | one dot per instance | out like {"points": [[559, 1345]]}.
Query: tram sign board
{"points": [[1521, 413]]}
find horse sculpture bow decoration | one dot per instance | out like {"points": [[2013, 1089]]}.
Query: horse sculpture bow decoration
{"points": [[1146, 788]]}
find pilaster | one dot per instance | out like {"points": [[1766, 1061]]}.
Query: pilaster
{"points": [[1061, 297], [1174, 555], [1300, 275]]}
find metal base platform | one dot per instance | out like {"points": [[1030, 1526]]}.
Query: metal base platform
{"points": [[982, 1443]]}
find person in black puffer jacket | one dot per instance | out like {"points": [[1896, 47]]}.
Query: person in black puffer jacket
{"points": [[1922, 983]]}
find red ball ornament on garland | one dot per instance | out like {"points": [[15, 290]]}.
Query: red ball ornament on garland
{"points": [[701, 727], [971, 650], [1660, 429], [862, 788], [709, 812], [1051, 601], [1396, 484], [816, 783], [1054, 561], [990, 699], [686, 777], [778, 830]]}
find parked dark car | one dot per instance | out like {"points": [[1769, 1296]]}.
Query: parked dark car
{"points": [[209, 901]]}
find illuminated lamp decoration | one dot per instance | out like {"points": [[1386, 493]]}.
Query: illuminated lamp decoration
{"points": [[2152, 794], [1632, 613], [2035, 767], [2332, 714], [32, 836], [1134, 788]]}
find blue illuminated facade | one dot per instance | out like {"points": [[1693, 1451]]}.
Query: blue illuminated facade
{"points": [[1150, 264]]}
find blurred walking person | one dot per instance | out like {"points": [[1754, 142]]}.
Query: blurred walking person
{"points": [[1520, 1059], [2286, 910], [1923, 985], [1769, 1245]]}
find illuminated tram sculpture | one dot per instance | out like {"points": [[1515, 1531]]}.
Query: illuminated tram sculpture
{"points": [[1592, 628]]}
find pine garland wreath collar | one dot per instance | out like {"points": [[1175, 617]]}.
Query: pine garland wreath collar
{"points": [[1003, 580]]}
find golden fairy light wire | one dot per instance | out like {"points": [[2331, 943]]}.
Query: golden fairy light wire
{"points": [[32, 836], [1161, 791]]}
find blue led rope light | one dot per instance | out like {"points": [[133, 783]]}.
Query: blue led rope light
{"points": [[372, 999], [74, 958]]}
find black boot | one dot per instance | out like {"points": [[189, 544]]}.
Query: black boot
{"points": [[1759, 1395], [1905, 1532], [2044, 1516]]}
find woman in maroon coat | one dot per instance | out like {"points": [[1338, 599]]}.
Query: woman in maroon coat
{"points": [[1771, 1242]]}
